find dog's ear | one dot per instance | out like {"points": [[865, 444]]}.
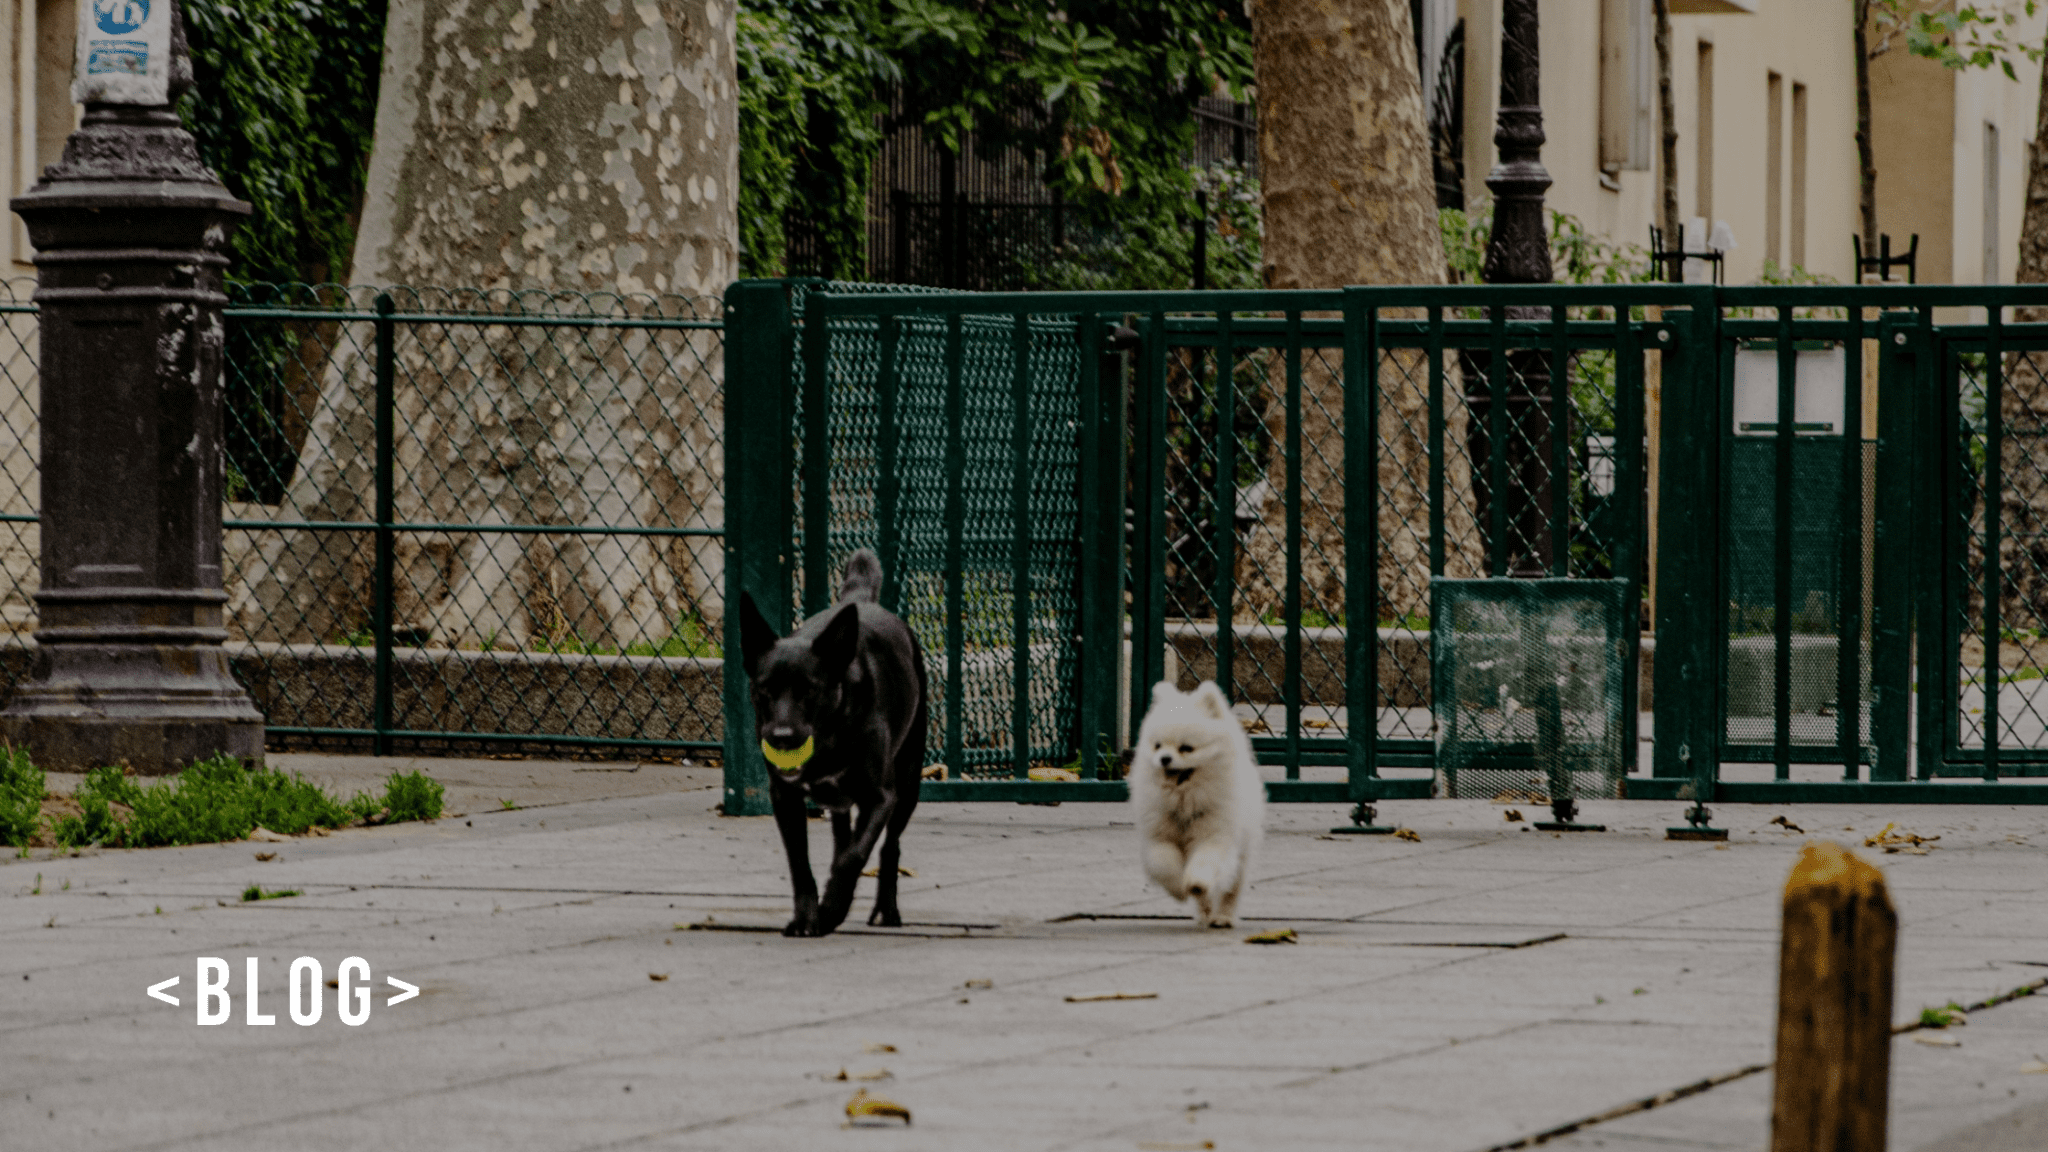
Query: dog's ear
{"points": [[835, 646], [757, 635], [1163, 692], [1209, 698]]}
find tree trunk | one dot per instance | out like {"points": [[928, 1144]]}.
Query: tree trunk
{"points": [[1349, 199], [2023, 544], [1866, 159], [575, 158], [1667, 133]]}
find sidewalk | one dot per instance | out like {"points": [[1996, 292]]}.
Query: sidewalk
{"points": [[1457, 994]]}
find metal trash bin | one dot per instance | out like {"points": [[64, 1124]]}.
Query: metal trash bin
{"points": [[1528, 689]]}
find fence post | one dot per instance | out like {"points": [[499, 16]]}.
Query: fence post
{"points": [[1688, 543], [380, 608], [1834, 1005], [1361, 545], [1897, 535], [1941, 532], [760, 514], [1101, 538]]}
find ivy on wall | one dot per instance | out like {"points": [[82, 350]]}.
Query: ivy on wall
{"points": [[1101, 87], [811, 73], [286, 93], [283, 106]]}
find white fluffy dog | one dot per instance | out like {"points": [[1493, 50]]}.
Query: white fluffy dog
{"points": [[1198, 799]]}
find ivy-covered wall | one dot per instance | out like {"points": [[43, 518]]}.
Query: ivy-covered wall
{"points": [[286, 97], [284, 104], [1109, 85]]}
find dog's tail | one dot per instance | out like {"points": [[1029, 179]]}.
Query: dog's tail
{"points": [[863, 578]]}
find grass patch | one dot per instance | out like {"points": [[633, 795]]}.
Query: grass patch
{"points": [[257, 892], [225, 799], [412, 796], [21, 798], [1941, 1017]]}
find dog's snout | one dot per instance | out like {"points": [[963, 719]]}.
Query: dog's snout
{"points": [[1166, 759]]}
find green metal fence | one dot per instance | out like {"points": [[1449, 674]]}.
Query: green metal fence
{"points": [[455, 518], [1857, 535], [1987, 486], [500, 518], [1234, 460], [482, 516]]}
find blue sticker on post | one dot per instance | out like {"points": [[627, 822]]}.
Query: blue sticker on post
{"points": [[124, 53], [120, 17], [126, 56]]}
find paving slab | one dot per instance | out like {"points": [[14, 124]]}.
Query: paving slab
{"points": [[600, 968]]}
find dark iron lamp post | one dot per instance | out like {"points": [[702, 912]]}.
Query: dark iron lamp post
{"points": [[1511, 441], [131, 232], [1512, 437]]}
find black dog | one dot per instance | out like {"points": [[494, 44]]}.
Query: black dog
{"points": [[839, 707]]}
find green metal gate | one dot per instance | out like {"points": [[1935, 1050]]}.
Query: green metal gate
{"points": [[1983, 645], [1078, 495], [1829, 609]]}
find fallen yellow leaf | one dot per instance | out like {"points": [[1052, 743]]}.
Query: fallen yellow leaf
{"points": [[866, 1107], [657, 977], [1890, 841], [1407, 834], [1276, 936]]}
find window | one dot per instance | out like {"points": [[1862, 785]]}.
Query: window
{"points": [[1774, 168], [1991, 204], [1703, 138], [1627, 86], [1799, 175]]}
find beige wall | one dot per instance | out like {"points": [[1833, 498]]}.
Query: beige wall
{"points": [[1982, 97], [1913, 119], [35, 107], [1929, 134]]}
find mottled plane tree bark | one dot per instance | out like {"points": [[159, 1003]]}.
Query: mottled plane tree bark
{"points": [[580, 158], [2023, 546], [1349, 199]]}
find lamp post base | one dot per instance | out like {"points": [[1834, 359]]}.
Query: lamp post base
{"points": [[146, 707]]}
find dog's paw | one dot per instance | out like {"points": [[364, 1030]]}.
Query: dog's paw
{"points": [[803, 926], [885, 919], [1220, 922]]}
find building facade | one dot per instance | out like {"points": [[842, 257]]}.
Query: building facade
{"points": [[1765, 99]]}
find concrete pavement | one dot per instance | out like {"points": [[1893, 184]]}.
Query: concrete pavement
{"points": [[1477, 988]]}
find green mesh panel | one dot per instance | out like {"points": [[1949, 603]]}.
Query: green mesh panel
{"points": [[986, 692], [1817, 589], [1528, 677]]}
